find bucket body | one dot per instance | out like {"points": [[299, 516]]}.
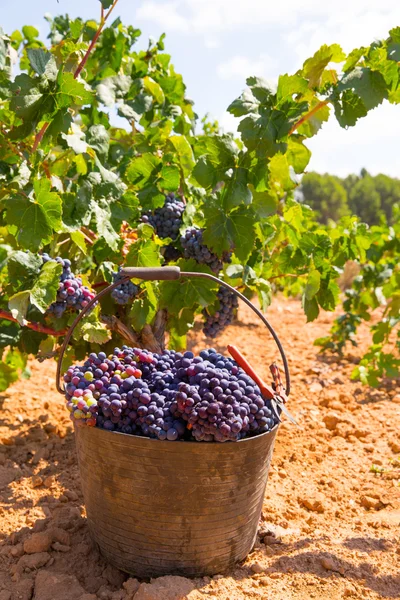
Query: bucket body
{"points": [[172, 508]]}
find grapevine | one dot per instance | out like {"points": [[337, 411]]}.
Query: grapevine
{"points": [[76, 185]]}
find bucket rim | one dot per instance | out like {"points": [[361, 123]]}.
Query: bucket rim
{"points": [[206, 444]]}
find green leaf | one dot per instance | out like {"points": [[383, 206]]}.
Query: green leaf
{"points": [[43, 63], [95, 333], [264, 204], [315, 66], [244, 105], [30, 33], [143, 169], [144, 309], [169, 178], [225, 232], [27, 99], [143, 253], [279, 174], [298, 155], [79, 240], [237, 191], [23, 268], [18, 305], [44, 291], [349, 109], [311, 308], [71, 91], [106, 3], [98, 138], [104, 226], [218, 155], [313, 284], [187, 292], [366, 84], [184, 153], [7, 376], [37, 218], [154, 89]]}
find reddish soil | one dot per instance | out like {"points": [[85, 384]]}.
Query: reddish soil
{"points": [[330, 525]]}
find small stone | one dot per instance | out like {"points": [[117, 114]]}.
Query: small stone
{"points": [[33, 561], [63, 498], [50, 481], [17, 551], [114, 576], [257, 568], [315, 388], [395, 447], [328, 564], [22, 590], [52, 586], [50, 428], [37, 481], [368, 502], [314, 502], [131, 586], [60, 547], [38, 542], [60, 535], [71, 495], [331, 420]]}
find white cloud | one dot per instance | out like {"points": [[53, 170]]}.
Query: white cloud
{"points": [[203, 16], [240, 67]]}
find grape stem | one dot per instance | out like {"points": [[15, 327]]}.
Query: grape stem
{"points": [[78, 71], [34, 326]]}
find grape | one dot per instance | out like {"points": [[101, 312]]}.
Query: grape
{"points": [[166, 220], [193, 247], [168, 396], [71, 294], [125, 292], [228, 304]]}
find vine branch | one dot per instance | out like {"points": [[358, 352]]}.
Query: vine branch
{"points": [[39, 136], [308, 116], [38, 327]]}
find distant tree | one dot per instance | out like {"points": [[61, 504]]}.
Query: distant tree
{"points": [[388, 189], [365, 201], [326, 195]]}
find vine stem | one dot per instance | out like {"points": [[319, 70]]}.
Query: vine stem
{"points": [[308, 115], [39, 136], [34, 326]]}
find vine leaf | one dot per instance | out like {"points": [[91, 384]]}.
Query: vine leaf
{"points": [[35, 218], [44, 291], [18, 305]]}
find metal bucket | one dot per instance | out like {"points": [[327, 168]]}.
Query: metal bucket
{"points": [[161, 508], [172, 508]]}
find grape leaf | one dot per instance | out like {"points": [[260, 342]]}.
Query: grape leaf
{"points": [[143, 253], [311, 308], [184, 153], [18, 305], [235, 230], [43, 63], [349, 108], [366, 84], [23, 268], [30, 32], [104, 226], [313, 284], [7, 376], [154, 89], [169, 178], [143, 169], [44, 291], [244, 105], [95, 333], [106, 3], [314, 66], [187, 292], [71, 91], [37, 218]]}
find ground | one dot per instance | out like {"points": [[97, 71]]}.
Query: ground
{"points": [[330, 525]]}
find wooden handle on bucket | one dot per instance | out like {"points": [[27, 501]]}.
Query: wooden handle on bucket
{"points": [[166, 274]]}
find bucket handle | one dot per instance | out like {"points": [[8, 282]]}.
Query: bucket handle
{"points": [[165, 274]]}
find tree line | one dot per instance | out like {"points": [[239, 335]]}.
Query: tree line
{"points": [[369, 197]]}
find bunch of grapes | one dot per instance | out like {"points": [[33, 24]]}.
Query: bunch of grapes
{"points": [[193, 247], [228, 304], [166, 220], [71, 294], [169, 396], [125, 292]]}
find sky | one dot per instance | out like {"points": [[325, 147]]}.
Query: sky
{"points": [[217, 44]]}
